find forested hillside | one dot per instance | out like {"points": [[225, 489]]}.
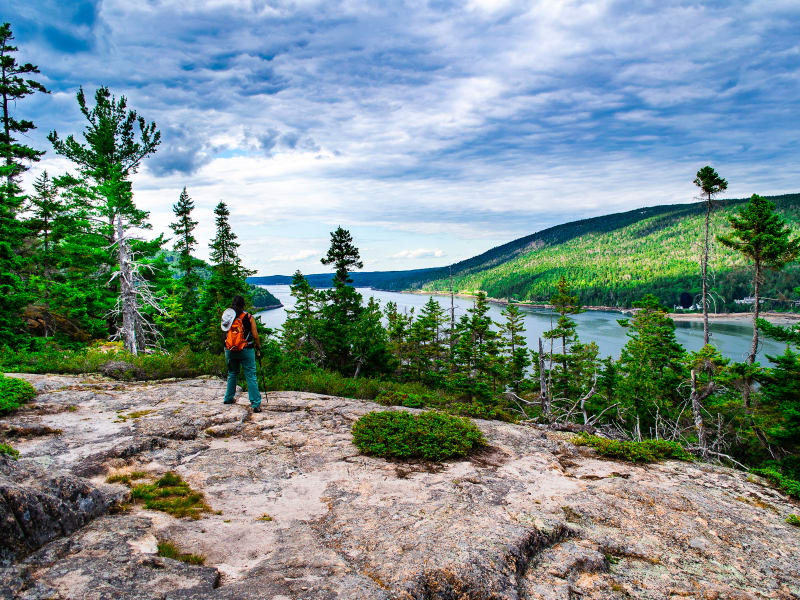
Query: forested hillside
{"points": [[615, 259]]}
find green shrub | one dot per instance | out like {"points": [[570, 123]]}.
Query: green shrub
{"points": [[6, 450], [788, 486], [182, 363], [646, 451], [14, 393], [431, 435], [793, 520], [170, 550], [476, 410], [172, 495]]}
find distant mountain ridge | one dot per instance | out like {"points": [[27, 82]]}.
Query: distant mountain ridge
{"points": [[609, 260]]}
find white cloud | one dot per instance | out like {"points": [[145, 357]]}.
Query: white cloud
{"points": [[302, 255], [419, 253]]}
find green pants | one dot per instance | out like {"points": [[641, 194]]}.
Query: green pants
{"points": [[247, 360]]}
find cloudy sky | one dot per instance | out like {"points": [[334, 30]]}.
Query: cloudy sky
{"points": [[432, 130]]}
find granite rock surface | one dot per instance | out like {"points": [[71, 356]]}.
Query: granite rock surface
{"points": [[297, 512]]}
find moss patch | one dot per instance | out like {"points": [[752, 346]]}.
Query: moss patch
{"points": [[793, 520], [121, 418], [172, 495], [170, 550]]}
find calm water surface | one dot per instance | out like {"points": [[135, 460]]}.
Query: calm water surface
{"points": [[731, 338]]}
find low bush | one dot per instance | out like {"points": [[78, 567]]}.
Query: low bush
{"points": [[170, 550], [793, 520], [172, 495], [646, 451], [7, 450], [115, 362], [788, 486], [430, 435], [14, 393]]}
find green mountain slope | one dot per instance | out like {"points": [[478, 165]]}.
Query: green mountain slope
{"points": [[615, 259]]}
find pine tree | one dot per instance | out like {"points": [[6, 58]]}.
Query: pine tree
{"points": [[781, 395], [761, 235], [14, 86], [426, 344], [111, 153], [711, 184]]}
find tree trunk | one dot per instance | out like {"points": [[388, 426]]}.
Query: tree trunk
{"points": [[697, 413], [127, 293], [704, 273], [543, 382], [756, 283]]}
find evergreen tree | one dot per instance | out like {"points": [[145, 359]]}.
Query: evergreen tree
{"points": [[398, 327], [370, 342], [426, 344], [476, 354], [711, 184], [761, 235], [228, 277], [15, 85], [514, 347], [47, 226], [301, 329], [111, 153], [343, 303], [780, 392], [650, 366], [184, 245], [565, 304]]}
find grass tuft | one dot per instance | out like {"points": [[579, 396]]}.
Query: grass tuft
{"points": [[7, 450], [172, 495], [790, 487], [14, 393], [646, 451], [170, 550], [793, 520], [137, 414]]}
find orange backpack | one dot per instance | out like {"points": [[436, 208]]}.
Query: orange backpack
{"points": [[237, 339]]}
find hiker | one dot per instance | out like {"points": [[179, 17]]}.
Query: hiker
{"points": [[240, 349]]}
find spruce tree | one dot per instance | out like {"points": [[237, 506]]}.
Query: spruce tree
{"points": [[711, 184], [301, 329], [761, 235], [48, 224], [15, 85], [651, 366], [515, 350], [228, 277], [184, 245], [565, 304], [343, 303]]}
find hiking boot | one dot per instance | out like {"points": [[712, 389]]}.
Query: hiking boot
{"points": [[257, 409], [231, 402]]}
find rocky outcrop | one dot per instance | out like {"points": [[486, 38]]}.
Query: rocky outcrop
{"points": [[297, 512]]}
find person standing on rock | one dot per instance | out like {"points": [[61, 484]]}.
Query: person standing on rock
{"points": [[241, 342]]}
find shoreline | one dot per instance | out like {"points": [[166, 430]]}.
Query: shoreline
{"points": [[776, 318]]}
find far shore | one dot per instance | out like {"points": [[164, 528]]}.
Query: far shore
{"points": [[777, 318]]}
